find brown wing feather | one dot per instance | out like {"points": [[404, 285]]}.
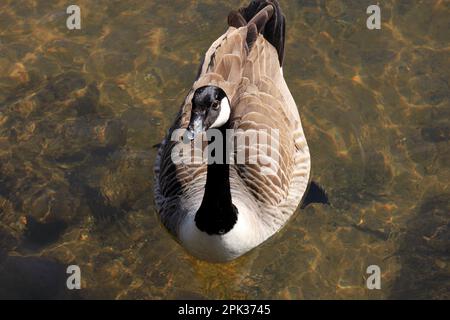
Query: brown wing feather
{"points": [[260, 105]]}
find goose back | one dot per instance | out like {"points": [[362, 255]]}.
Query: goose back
{"points": [[248, 68]]}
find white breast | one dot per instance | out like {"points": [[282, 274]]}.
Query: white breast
{"points": [[245, 235]]}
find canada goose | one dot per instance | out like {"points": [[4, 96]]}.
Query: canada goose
{"points": [[219, 211]]}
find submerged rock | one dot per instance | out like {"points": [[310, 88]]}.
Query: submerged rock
{"points": [[33, 278]]}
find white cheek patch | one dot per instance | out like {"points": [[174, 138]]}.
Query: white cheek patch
{"points": [[224, 114]]}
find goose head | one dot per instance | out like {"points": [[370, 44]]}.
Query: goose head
{"points": [[210, 109]]}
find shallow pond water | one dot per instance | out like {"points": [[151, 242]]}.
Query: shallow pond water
{"points": [[80, 111]]}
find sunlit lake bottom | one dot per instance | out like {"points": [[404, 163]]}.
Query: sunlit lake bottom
{"points": [[80, 112]]}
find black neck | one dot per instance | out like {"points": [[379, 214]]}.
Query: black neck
{"points": [[217, 214]]}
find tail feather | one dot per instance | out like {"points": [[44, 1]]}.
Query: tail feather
{"points": [[252, 35], [262, 18], [269, 21], [235, 19]]}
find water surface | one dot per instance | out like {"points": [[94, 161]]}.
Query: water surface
{"points": [[80, 111]]}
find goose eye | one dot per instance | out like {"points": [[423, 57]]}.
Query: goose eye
{"points": [[215, 105]]}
